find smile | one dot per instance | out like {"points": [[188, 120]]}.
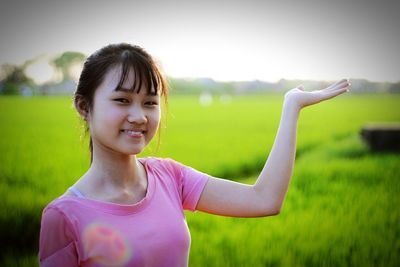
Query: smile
{"points": [[132, 133]]}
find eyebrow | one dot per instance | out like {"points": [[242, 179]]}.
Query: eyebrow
{"points": [[128, 90]]}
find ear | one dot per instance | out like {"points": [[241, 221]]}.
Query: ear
{"points": [[81, 106]]}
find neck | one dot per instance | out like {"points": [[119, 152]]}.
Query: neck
{"points": [[114, 177], [116, 170]]}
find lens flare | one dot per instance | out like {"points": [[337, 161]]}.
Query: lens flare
{"points": [[105, 245]]}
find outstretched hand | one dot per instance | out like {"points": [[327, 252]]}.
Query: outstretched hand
{"points": [[301, 98]]}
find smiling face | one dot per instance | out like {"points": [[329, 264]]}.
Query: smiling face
{"points": [[123, 120]]}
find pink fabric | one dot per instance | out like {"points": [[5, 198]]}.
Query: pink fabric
{"points": [[85, 232]]}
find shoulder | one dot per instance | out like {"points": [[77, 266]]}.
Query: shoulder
{"points": [[55, 218], [172, 168], [165, 165], [158, 161], [61, 208], [167, 171], [63, 201], [57, 236]]}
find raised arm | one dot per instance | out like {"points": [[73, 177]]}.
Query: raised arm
{"points": [[266, 196]]}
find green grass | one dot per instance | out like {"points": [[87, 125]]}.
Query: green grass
{"points": [[341, 208], [342, 211]]}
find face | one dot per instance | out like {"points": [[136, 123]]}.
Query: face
{"points": [[122, 121]]}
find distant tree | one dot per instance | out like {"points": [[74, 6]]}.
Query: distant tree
{"points": [[67, 61], [13, 78], [394, 88]]}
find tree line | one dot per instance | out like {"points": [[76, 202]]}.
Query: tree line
{"points": [[15, 81]]}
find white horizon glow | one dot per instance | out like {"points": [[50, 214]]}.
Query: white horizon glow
{"points": [[40, 71], [225, 41]]}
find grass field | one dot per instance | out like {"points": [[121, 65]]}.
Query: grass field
{"points": [[341, 208]]}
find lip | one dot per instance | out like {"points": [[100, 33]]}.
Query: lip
{"points": [[134, 133]]}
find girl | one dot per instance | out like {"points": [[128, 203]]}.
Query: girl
{"points": [[128, 211]]}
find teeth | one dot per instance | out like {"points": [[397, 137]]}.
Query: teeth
{"points": [[133, 132]]}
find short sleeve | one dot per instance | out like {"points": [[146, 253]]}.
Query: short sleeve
{"points": [[57, 246], [191, 183]]}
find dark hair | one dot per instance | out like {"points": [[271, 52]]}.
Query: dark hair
{"points": [[129, 57]]}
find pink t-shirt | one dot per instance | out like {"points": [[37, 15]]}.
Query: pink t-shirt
{"points": [[153, 232]]}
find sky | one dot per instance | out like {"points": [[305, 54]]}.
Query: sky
{"points": [[223, 40]]}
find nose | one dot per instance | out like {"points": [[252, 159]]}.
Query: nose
{"points": [[136, 115]]}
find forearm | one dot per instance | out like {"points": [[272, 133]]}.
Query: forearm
{"points": [[266, 196], [272, 184]]}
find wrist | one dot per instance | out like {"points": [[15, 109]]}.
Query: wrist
{"points": [[291, 106]]}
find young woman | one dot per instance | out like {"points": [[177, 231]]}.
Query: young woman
{"points": [[128, 211]]}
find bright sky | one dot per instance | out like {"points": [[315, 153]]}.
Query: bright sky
{"points": [[224, 40]]}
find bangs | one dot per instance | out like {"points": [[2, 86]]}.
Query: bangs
{"points": [[145, 73]]}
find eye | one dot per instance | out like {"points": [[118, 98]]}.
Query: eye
{"points": [[151, 103], [122, 100]]}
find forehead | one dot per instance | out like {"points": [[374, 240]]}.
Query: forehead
{"points": [[113, 77], [131, 82]]}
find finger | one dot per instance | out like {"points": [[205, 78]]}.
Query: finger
{"points": [[338, 85], [334, 93], [341, 86], [333, 85]]}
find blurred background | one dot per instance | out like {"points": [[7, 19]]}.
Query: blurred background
{"points": [[219, 40], [229, 64]]}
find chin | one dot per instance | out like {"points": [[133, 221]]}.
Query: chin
{"points": [[131, 149], [133, 152]]}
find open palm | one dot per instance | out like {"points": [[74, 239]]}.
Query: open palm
{"points": [[301, 98]]}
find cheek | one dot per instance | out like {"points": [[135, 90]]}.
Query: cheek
{"points": [[107, 118], [113, 115], [155, 119]]}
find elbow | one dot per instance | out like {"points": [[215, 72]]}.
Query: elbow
{"points": [[273, 211], [269, 204], [274, 208], [270, 211], [276, 211]]}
